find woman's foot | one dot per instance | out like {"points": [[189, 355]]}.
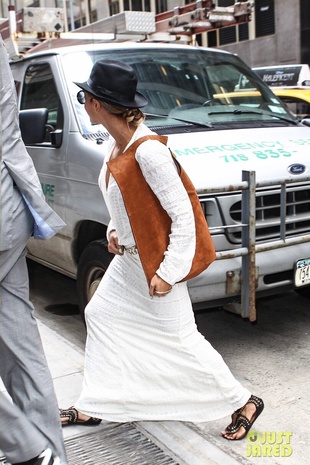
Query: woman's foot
{"points": [[71, 416], [243, 419]]}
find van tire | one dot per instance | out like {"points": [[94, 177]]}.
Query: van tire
{"points": [[92, 265]]}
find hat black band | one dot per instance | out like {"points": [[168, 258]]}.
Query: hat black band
{"points": [[105, 92]]}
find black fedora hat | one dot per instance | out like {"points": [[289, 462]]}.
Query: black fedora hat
{"points": [[114, 82]]}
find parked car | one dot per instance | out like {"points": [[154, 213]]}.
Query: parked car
{"points": [[291, 83], [296, 99]]}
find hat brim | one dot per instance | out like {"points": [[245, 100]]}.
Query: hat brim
{"points": [[138, 102]]}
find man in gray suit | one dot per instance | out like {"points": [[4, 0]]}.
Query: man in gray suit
{"points": [[30, 430]]}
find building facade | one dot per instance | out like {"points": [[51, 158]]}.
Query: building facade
{"points": [[279, 32]]}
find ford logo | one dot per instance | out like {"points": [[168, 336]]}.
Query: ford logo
{"points": [[297, 168]]}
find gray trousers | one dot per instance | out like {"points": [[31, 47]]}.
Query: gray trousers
{"points": [[31, 423]]}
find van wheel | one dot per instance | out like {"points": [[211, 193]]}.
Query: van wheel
{"points": [[304, 291], [92, 265]]}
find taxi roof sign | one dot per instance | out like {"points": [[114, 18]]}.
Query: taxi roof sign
{"points": [[286, 75]]}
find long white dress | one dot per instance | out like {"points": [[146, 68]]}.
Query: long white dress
{"points": [[144, 357]]}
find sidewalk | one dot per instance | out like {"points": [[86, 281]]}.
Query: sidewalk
{"points": [[184, 443], [178, 443]]}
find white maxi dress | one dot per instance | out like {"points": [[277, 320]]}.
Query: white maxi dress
{"points": [[144, 357]]}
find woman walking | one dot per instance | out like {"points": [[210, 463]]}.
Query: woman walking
{"points": [[144, 358]]}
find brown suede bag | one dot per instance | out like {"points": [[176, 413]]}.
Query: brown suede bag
{"points": [[150, 223]]}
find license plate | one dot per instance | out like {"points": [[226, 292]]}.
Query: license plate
{"points": [[302, 272]]}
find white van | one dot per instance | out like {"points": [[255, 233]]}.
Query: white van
{"points": [[219, 134]]}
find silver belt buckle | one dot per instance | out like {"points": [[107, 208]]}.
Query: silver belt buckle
{"points": [[131, 250]]}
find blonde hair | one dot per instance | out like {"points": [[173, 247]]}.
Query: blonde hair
{"points": [[133, 116]]}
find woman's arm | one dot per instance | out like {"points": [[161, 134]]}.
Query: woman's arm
{"points": [[160, 173]]}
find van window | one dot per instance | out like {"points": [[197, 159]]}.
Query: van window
{"points": [[196, 89], [39, 91]]}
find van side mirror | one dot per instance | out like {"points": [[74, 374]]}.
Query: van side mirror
{"points": [[306, 121], [56, 137], [32, 125]]}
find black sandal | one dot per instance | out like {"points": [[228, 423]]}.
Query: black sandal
{"points": [[230, 428], [242, 421], [72, 416]]}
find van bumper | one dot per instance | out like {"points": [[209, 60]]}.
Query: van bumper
{"points": [[274, 274]]}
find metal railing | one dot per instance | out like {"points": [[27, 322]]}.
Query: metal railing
{"points": [[249, 248]]}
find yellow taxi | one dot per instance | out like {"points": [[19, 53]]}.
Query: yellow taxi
{"points": [[291, 83], [297, 100]]}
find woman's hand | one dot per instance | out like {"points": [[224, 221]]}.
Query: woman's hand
{"points": [[113, 245], [159, 287]]}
